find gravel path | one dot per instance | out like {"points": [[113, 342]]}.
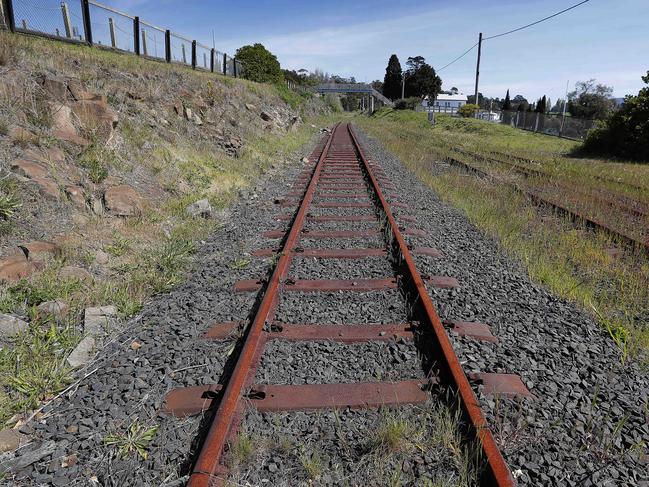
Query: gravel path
{"points": [[581, 429]]}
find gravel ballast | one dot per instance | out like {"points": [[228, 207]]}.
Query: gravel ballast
{"points": [[561, 437]]}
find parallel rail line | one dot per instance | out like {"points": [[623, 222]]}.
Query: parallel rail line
{"points": [[339, 159], [541, 200]]}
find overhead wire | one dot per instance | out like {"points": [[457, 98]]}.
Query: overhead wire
{"points": [[537, 22], [512, 31]]}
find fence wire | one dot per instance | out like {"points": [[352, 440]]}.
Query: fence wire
{"points": [[181, 49], [50, 17], [547, 123], [152, 41], [111, 28]]}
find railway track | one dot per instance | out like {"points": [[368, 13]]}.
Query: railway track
{"points": [[342, 186], [527, 172], [633, 241]]}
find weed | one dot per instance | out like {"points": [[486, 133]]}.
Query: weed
{"points": [[312, 464], [33, 367], [119, 246], [135, 439], [240, 263], [8, 206], [241, 450], [393, 434]]}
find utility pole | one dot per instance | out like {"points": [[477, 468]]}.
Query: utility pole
{"points": [[563, 115], [477, 71]]}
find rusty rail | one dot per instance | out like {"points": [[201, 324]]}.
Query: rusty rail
{"points": [[342, 159], [497, 471]]}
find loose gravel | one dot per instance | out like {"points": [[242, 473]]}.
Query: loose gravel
{"points": [[582, 428]]}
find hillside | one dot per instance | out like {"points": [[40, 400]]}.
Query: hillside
{"points": [[112, 168]]}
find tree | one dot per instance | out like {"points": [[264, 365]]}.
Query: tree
{"points": [[421, 79], [454, 91], [377, 84], [626, 132], [558, 106], [541, 105], [392, 79], [507, 104], [590, 100], [260, 64]]}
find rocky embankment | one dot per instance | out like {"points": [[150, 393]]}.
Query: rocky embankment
{"points": [[111, 168]]}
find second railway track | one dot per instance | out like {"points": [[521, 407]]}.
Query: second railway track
{"points": [[342, 210]]}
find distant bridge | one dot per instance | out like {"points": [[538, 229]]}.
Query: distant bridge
{"points": [[355, 88]]}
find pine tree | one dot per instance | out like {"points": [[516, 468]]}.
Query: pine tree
{"points": [[507, 104], [392, 80], [541, 105]]}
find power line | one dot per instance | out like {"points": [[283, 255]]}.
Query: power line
{"points": [[459, 57], [511, 32], [537, 22]]}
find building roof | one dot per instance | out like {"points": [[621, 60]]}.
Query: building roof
{"points": [[445, 97]]}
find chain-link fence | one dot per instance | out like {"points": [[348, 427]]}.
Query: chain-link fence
{"points": [[550, 124], [90, 22]]}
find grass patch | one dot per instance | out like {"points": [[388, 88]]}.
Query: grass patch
{"points": [[33, 366], [573, 263]]}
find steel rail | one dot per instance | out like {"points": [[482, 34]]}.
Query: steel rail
{"points": [[632, 242], [498, 472], [208, 460]]}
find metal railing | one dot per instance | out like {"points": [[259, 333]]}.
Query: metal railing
{"points": [[92, 23]]}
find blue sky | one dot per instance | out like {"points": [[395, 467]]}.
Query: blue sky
{"points": [[603, 39]]}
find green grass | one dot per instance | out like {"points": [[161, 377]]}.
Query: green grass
{"points": [[573, 263]]}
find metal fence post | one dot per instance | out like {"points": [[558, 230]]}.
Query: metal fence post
{"points": [[184, 53], [9, 14], [111, 28], [136, 35], [168, 45], [212, 54], [66, 19], [87, 25], [145, 51], [225, 64], [193, 54], [234, 66]]}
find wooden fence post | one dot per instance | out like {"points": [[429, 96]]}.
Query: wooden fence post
{"points": [[234, 66], [225, 64], [184, 53], [212, 55], [66, 19], [136, 35], [111, 28], [193, 54], [145, 51], [87, 25]]}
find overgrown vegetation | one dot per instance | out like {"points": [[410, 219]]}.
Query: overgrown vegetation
{"points": [[574, 263], [626, 132]]}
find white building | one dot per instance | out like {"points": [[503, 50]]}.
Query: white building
{"points": [[446, 103]]}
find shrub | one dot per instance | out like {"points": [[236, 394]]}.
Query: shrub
{"points": [[407, 103], [626, 132], [468, 110]]}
